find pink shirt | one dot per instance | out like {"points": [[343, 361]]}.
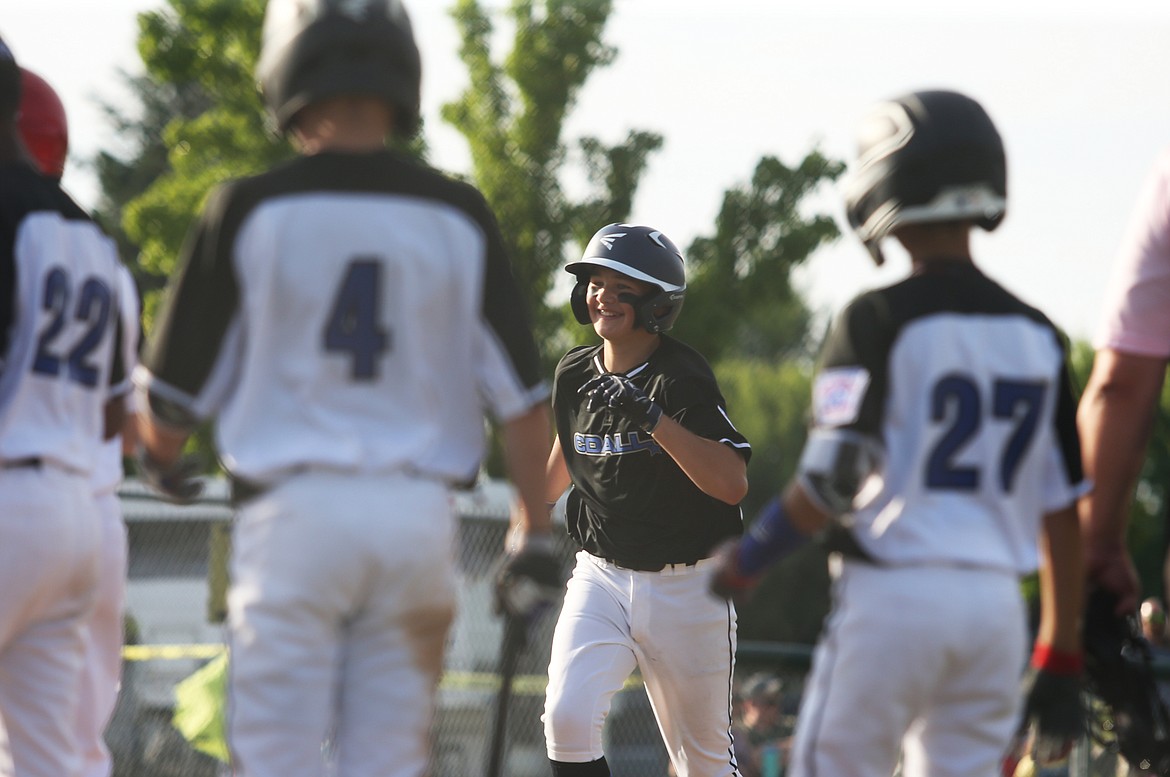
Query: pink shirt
{"points": [[1136, 313]]}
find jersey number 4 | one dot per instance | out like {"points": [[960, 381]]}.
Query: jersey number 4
{"points": [[957, 398], [92, 310], [354, 326]]}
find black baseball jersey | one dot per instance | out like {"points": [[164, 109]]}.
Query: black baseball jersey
{"points": [[351, 312], [968, 391], [629, 501], [60, 355]]}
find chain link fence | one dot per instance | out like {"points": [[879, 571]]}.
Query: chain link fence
{"points": [[166, 723]]}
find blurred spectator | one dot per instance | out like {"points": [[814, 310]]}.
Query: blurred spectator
{"points": [[760, 731]]}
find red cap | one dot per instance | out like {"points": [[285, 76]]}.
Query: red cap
{"points": [[42, 124]]}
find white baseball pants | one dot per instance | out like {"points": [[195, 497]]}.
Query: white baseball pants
{"points": [[669, 626], [104, 635], [48, 573], [343, 590], [921, 662]]}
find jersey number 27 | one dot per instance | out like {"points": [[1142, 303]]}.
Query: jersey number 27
{"points": [[958, 398]]}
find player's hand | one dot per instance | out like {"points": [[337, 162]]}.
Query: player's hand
{"points": [[729, 581], [1112, 569], [619, 394], [1053, 707], [178, 481], [529, 581]]}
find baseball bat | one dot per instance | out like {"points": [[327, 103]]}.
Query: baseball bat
{"points": [[512, 646]]}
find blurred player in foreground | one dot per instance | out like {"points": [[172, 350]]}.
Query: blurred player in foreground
{"points": [[62, 383], [1118, 408], [943, 446], [44, 128], [657, 471], [347, 318]]}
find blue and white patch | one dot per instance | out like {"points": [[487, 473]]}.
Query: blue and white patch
{"points": [[837, 395]]}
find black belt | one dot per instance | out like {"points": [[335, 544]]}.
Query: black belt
{"points": [[28, 462], [246, 490], [650, 567]]}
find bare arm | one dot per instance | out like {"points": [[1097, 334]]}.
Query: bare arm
{"points": [[804, 513], [130, 434], [525, 447], [1062, 582], [164, 444], [114, 418], [718, 471], [1114, 420], [556, 473]]}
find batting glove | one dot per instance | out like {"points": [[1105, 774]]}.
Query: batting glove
{"points": [[178, 481], [1053, 703], [729, 580], [529, 580], [619, 394]]}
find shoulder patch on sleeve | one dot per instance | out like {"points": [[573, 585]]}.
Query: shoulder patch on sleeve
{"points": [[837, 395]]}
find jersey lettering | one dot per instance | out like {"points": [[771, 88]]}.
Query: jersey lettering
{"points": [[612, 444], [956, 400], [93, 310], [354, 325]]}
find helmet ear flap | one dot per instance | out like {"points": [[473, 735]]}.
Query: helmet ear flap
{"points": [[577, 301], [645, 309]]}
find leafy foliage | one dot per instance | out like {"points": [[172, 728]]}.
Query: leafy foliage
{"points": [[206, 48], [513, 114], [740, 299]]}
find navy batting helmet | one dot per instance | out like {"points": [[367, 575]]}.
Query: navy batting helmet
{"points": [[316, 49], [640, 252], [10, 83], [926, 157]]}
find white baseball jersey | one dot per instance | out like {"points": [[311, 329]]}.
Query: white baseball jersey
{"points": [[58, 358], [59, 298], [373, 346], [967, 390]]}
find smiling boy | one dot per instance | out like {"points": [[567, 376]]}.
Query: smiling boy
{"points": [[655, 471]]}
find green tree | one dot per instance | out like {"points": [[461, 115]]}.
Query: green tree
{"points": [[208, 49], [512, 116], [123, 178], [740, 300]]}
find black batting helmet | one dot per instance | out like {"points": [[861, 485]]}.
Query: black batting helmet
{"points": [[926, 157], [316, 49], [643, 253], [10, 83]]}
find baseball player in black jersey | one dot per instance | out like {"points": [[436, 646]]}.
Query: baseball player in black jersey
{"points": [[347, 318], [942, 465], [655, 471], [61, 392]]}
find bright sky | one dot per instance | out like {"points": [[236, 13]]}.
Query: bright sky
{"points": [[1080, 91]]}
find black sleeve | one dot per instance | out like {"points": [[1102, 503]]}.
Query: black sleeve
{"points": [[1065, 419], [860, 338], [505, 309], [697, 404], [200, 301]]}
